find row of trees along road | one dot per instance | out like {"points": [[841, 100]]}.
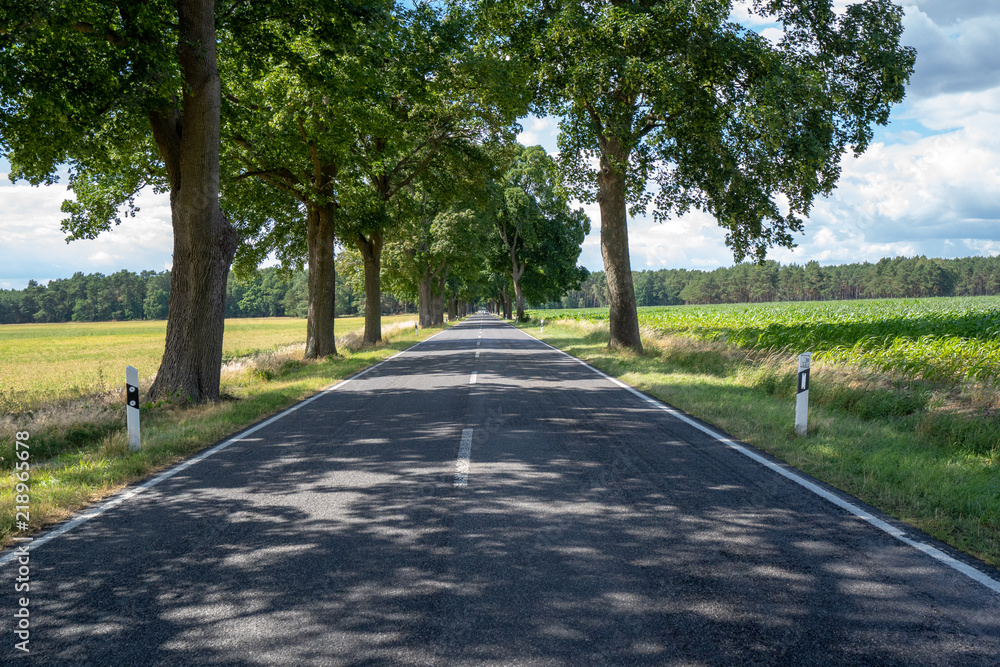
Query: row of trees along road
{"points": [[341, 121]]}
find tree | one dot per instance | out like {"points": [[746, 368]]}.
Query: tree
{"points": [[536, 229], [291, 111], [792, 283], [127, 94], [716, 115], [156, 305], [814, 280]]}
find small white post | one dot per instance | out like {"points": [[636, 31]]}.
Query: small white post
{"points": [[132, 407], [802, 394], [543, 327]]}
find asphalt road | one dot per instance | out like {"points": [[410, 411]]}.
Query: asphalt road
{"points": [[484, 500]]}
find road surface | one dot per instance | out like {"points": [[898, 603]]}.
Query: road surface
{"points": [[482, 499]]}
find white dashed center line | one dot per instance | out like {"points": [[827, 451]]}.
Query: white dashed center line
{"points": [[462, 465], [472, 380]]}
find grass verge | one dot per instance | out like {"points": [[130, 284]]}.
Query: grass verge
{"points": [[925, 453], [79, 449]]}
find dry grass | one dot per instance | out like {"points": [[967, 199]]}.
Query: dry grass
{"points": [[354, 340]]}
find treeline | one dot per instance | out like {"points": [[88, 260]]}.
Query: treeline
{"points": [[272, 293], [899, 277], [145, 296]]}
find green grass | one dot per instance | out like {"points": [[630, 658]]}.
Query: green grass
{"points": [[79, 450], [925, 452]]}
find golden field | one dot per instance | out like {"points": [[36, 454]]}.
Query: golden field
{"points": [[42, 364]]}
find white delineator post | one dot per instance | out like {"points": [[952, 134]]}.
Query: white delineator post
{"points": [[132, 407], [802, 394], [543, 327]]}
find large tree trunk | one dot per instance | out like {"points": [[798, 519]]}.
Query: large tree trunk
{"points": [[371, 254], [204, 240], [320, 338], [519, 298], [452, 308], [427, 301], [438, 302], [624, 319], [439, 298], [516, 273], [424, 302]]}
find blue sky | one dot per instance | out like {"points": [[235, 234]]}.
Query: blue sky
{"points": [[928, 185]]}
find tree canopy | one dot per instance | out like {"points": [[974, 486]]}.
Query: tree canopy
{"points": [[536, 236]]}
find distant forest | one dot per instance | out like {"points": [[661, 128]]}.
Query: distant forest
{"points": [[144, 296], [900, 277]]}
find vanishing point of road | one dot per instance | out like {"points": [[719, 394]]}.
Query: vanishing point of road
{"points": [[483, 499]]}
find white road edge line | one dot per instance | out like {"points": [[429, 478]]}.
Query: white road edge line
{"points": [[183, 465], [464, 453], [885, 527]]}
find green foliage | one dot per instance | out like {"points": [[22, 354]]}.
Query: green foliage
{"points": [[433, 98], [440, 233], [290, 115], [48, 443], [875, 403], [536, 234], [717, 116]]}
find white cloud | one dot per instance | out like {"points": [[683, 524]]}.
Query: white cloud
{"points": [[937, 195], [955, 51], [540, 132], [34, 247], [743, 13], [950, 11], [773, 35]]}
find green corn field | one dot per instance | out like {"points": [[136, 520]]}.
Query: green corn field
{"points": [[947, 339]]}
